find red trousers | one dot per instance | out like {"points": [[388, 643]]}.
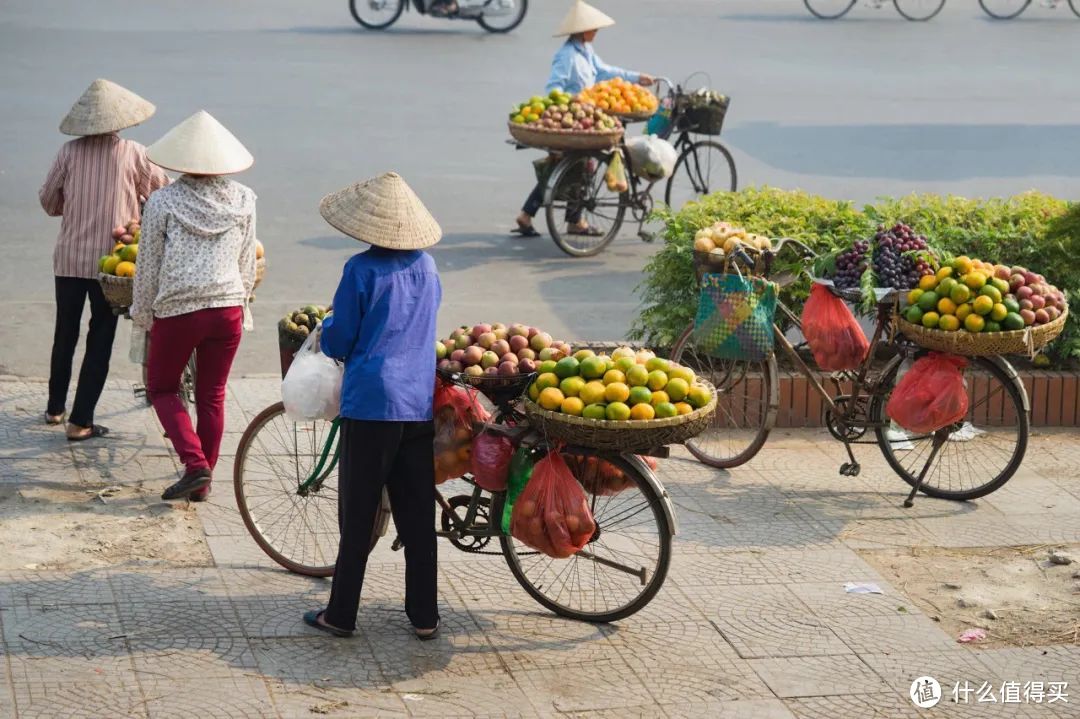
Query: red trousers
{"points": [[214, 336]]}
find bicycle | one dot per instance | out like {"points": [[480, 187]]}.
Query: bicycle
{"points": [[577, 187], [187, 378], [286, 490], [497, 16], [914, 10], [1008, 9], [963, 461]]}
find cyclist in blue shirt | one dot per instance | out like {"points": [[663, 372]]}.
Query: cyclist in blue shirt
{"points": [[383, 329], [575, 67]]}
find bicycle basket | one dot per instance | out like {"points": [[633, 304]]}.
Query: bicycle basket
{"points": [[702, 113]]}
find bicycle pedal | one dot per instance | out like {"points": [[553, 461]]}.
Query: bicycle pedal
{"points": [[139, 391], [850, 469]]}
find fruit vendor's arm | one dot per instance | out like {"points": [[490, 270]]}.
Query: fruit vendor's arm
{"points": [[151, 248], [341, 329], [606, 72], [247, 257], [51, 193]]}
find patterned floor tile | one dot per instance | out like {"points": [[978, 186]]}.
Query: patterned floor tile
{"points": [[791, 677]]}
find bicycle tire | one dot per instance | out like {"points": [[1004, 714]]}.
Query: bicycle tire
{"points": [[919, 18], [499, 30], [560, 184], [376, 26], [642, 598], [1011, 394], [1004, 16], [683, 163], [702, 446], [825, 15], [1074, 5]]}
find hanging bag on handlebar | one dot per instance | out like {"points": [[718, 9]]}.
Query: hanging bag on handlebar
{"points": [[834, 335], [735, 316]]}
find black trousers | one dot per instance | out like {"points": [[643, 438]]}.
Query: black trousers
{"points": [[71, 295], [400, 456]]}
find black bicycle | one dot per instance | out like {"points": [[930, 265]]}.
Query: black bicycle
{"points": [[914, 10], [1008, 9]]}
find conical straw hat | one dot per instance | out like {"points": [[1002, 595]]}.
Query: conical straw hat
{"points": [[382, 211], [582, 18], [105, 107], [200, 145]]}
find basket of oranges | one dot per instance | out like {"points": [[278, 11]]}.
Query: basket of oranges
{"points": [[625, 100], [975, 308]]}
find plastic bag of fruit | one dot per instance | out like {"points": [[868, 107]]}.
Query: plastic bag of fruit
{"points": [[457, 412], [652, 157], [834, 335], [600, 477], [312, 387], [931, 395], [552, 514], [491, 455]]}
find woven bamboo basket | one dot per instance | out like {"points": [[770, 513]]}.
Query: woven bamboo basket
{"points": [[633, 116], [628, 436], [260, 271], [118, 290], [564, 140], [1025, 341]]}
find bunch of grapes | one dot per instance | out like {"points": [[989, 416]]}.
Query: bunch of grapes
{"points": [[850, 266], [892, 268]]}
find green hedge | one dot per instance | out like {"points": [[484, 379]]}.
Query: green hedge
{"points": [[1033, 229]]}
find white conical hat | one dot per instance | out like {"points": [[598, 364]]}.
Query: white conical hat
{"points": [[200, 145], [105, 107], [382, 211], [582, 18]]}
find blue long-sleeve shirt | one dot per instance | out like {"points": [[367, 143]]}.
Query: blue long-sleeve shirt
{"points": [[576, 66], [383, 328]]}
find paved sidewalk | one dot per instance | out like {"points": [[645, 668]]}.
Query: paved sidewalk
{"points": [[752, 622]]}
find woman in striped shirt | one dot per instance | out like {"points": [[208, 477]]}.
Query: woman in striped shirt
{"points": [[95, 184]]}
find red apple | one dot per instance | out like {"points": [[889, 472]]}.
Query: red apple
{"points": [[492, 371], [540, 340], [1029, 316], [1016, 282], [1024, 292], [518, 342], [508, 369], [526, 366], [1038, 301], [508, 357], [500, 347], [458, 355], [478, 330], [532, 332], [472, 355], [1002, 272], [1041, 317], [1027, 304], [526, 353]]}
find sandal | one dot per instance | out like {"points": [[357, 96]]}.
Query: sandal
{"points": [[96, 430], [426, 635], [314, 618], [588, 231], [525, 230], [54, 419]]}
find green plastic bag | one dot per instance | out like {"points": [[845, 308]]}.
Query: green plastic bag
{"points": [[521, 469]]}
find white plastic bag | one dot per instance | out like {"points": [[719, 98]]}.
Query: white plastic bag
{"points": [[652, 157], [312, 388], [137, 350]]}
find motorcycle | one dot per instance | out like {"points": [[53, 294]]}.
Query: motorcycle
{"points": [[493, 15]]}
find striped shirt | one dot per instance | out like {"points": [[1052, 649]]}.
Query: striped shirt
{"points": [[94, 184]]}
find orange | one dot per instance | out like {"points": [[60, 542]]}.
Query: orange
{"points": [[118, 246], [573, 406], [618, 412], [683, 408], [129, 253], [982, 305], [108, 265], [913, 296], [998, 313], [930, 320], [640, 395], [963, 311], [614, 376], [946, 306], [548, 379], [637, 376], [616, 392], [699, 396], [666, 409], [678, 389], [974, 280], [125, 269], [944, 272], [928, 282], [658, 379], [962, 265], [974, 323], [572, 386], [642, 412], [959, 294], [660, 397], [551, 398], [949, 323], [592, 392]]}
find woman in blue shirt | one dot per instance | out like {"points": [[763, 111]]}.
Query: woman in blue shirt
{"points": [[575, 67], [383, 329]]}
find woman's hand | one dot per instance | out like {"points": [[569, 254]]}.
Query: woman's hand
{"points": [[645, 80]]}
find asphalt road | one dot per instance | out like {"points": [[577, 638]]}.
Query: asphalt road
{"points": [[866, 106]]}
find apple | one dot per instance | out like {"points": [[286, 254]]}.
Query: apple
{"points": [[443, 364], [518, 342], [1002, 272], [486, 340], [455, 367], [440, 351], [1029, 316], [458, 355], [500, 347], [472, 356], [500, 334], [474, 371], [507, 369], [1053, 313], [1031, 278], [1024, 292], [532, 332], [1041, 317], [1016, 282], [498, 326], [450, 345], [518, 330], [478, 330], [540, 340], [526, 366], [1038, 301], [508, 357], [489, 359], [1027, 304], [526, 353], [491, 372]]}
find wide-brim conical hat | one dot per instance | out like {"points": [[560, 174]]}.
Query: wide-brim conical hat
{"points": [[582, 18], [382, 211], [200, 145], [106, 107]]}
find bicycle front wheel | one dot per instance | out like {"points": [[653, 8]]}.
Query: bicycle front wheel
{"points": [[1004, 9], [621, 568], [298, 530], [919, 10], [376, 14], [829, 9], [704, 167], [578, 192], [503, 15], [981, 455], [747, 397]]}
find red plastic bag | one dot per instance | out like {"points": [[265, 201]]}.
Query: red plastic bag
{"points": [[931, 395], [600, 477], [552, 514], [491, 454], [457, 412], [835, 337]]}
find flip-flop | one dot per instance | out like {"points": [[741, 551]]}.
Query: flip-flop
{"points": [[589, 231], [54, 419], [525, 231], [311, 619], [96, 430]]}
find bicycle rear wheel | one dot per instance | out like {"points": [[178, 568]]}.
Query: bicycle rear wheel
{"points": [[919, 10], [1004, 9], [623, 566], [747, 396], [577, 191], [829, 9], [274, 457], [980, 456], [705, 166]]}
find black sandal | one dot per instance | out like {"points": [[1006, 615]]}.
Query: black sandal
{"points": [[428, 634], [96, 430], [589, 231], [312, 617], [525, 230]]}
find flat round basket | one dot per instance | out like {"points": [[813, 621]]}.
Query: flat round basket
{"points": [[563, 139], [260, 271], [117, 290], [628, 436], [1025, 341], [498, 388], [634, 116]]}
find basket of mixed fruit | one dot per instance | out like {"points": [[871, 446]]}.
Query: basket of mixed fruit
{"points": [[559, 123], [623, 99]]}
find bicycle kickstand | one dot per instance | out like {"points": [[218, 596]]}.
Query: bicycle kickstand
{"points": [[940, 438], [851, 468]]}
